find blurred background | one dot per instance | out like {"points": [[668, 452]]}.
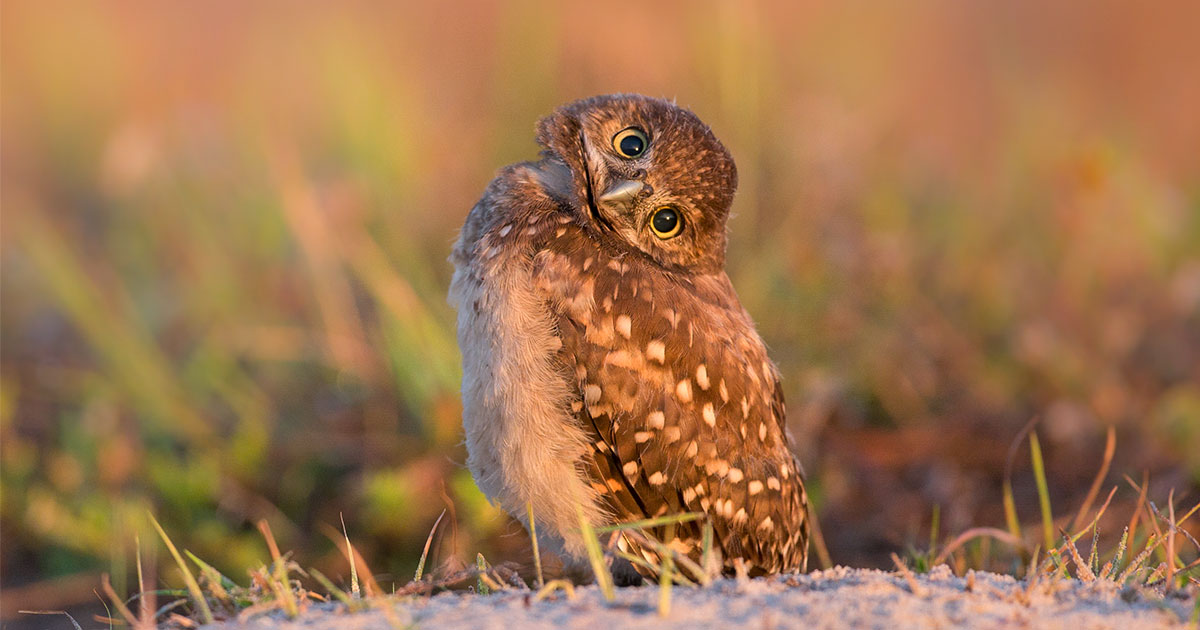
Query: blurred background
{"points": [[225, 228]]}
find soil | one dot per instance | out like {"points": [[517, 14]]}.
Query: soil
{"points": [[835, 598]]}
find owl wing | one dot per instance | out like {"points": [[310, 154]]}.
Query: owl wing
{"points": [[682, 407]]}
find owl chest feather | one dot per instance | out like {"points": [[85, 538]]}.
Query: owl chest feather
{"points": [[678, 397]]}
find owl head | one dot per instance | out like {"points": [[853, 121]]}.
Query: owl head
{"points": [[645, 174]]}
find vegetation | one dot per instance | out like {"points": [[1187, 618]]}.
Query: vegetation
{"points": [[224, 234], [275, 589]]}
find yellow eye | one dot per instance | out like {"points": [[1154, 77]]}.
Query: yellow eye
{"points": [[630, 142], [666, 223]]}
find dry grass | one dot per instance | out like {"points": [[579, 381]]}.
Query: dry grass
{"points": [[224, 265], [1148, 557], [1167, 572]]}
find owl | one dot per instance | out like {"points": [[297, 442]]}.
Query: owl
{"points": [[608, 367]]}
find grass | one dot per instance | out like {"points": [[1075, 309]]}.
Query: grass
{"points": [[224, 298], [1043, 490], [193, 587], [1060, 551], [424, 552], [279, 586], [595, 556], [1147, 556], [533, 542]]}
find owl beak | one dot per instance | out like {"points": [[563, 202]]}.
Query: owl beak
{"points": [[621, 192]]}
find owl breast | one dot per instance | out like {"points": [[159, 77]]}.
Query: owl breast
{"points": [[676, 394]]}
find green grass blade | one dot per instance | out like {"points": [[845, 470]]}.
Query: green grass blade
{"points": [[218, 584], [537, 555], [1119, 557], [1094, 557], [350, 557], [1010, 511], [664, 587], [651, 522], [706, 549], [189, 579], [1039, 474], [596, 556], [282, 590], [143, 604], [339, 594], [481, 566], [425, 552], [934, 526]]}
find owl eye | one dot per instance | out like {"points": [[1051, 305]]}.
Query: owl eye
{"points": [[666, 223], [630, 142]]}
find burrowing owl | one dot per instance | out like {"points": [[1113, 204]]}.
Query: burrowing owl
{"points": [[607, 362]]}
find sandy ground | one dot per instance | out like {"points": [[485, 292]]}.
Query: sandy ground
{"points": [[837, 598]]}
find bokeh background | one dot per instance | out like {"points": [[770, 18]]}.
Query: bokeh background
{"points": [[225, 228]]}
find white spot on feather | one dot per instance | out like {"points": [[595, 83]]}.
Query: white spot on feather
{"points": [[625, 326], [683, 390], [702, 377], [656, 351]]}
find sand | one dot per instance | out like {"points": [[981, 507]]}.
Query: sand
{"points": [[836, 598]]}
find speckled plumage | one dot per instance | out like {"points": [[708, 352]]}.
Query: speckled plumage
{"points": [[611, 367]]}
